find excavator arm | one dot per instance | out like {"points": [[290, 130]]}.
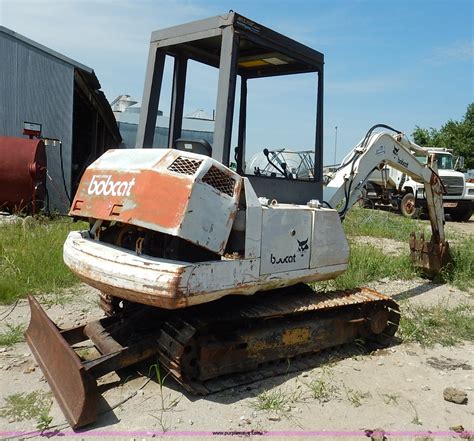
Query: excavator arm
{"points": [[376, 151]]}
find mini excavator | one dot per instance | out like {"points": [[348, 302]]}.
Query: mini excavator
{"points": [[203, 267]]}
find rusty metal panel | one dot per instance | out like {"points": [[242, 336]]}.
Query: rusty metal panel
{"points": [[177, 193], [74, 388], [173, 284], [22, 173]]}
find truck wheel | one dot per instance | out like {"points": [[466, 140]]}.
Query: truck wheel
{"points": [[461, 216], [408, 208], [366, 203]]}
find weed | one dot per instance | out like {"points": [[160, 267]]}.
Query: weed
{"points": [[86, 353], [31, 257], [55, 298], [43, 421], [379, 223], [416, 419], [13, 335], [355, 396], [322, 389], [391, 398], [276, 401], [22, 406], [429, 325], [166, 403], [368, 263], [460, 272], [272, 401]]}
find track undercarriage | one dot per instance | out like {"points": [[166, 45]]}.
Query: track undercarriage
{"points": [[211, 347]]}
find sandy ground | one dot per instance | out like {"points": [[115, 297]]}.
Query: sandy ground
{"points": [[398, 390]]}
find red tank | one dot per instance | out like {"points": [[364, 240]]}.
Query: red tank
{"points": [[22, 174]]}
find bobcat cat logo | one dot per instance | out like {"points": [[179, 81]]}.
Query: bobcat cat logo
{"points": [[302, 246], [395, 150]]}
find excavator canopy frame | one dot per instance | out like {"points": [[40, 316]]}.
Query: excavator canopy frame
{"points": [[236, 46]]}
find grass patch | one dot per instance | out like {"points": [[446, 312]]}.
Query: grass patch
{"points": [[31, 257], [272, 401], [13, 335], [276, 400], [356, 397], [20, 407], [436, 324], [322, 388], [391, 398], [460, 272], [368, 263], [378, 223]]}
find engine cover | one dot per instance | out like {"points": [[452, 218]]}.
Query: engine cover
{"points": [[178, 193]]}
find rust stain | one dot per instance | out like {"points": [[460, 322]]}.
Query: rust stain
{"points": [[296, 336], [154, 198], [254, 347]]}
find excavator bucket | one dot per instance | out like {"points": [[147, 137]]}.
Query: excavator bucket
{"points": [[73, 386], [431, 256]]}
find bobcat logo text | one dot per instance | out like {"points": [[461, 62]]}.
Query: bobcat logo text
{"points": [[104, 185]]}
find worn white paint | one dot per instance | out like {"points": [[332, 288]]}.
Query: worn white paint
{"points": [[286, 234], [174, 284]]}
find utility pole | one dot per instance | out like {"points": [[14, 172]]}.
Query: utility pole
{"points": [[335, 145]]}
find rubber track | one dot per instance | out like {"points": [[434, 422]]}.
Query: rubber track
{"points": [[179, 334]]}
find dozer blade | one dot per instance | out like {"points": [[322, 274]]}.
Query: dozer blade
{"points": [[431, 256], [74, 388]]}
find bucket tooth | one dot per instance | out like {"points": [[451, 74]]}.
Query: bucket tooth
{"points": [[74, 388], [431, 256]]}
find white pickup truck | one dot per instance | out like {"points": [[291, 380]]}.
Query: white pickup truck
{"points": [[390, 186]]}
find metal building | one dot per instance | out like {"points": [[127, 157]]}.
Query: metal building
{"points": [[41, 86], [196, 126]]}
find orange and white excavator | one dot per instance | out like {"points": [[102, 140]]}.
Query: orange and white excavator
{"points": [[205, 269]]}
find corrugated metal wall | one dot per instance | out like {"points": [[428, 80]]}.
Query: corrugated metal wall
{"points": [[37, 87]]}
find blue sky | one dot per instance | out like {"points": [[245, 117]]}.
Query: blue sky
{"points": [[403, 63]]}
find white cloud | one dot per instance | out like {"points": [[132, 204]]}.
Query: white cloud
{"points": [[117, 27], [112, 37], [457, 51]]}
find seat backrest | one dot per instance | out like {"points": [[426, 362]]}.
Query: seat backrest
{"points": [[200, 146]]}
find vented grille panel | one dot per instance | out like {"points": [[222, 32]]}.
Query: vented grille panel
{"points": [[220, 181], [454, 185], [185, 166]]}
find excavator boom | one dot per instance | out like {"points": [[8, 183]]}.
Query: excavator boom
{"points": [[376, 151]]}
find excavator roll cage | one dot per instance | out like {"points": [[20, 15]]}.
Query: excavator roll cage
{"points": [[236, 46]]}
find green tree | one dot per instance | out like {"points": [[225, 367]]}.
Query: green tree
{"points": [[456, 135]]}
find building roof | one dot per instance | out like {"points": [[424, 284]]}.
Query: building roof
{"points": [[199, 114], [45, 49], [83, 75], [199, 125]]}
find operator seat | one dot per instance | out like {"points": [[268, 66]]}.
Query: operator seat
{"points": [[199, 146]]}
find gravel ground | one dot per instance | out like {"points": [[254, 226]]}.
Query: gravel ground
{"points": [[398, 390]]}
